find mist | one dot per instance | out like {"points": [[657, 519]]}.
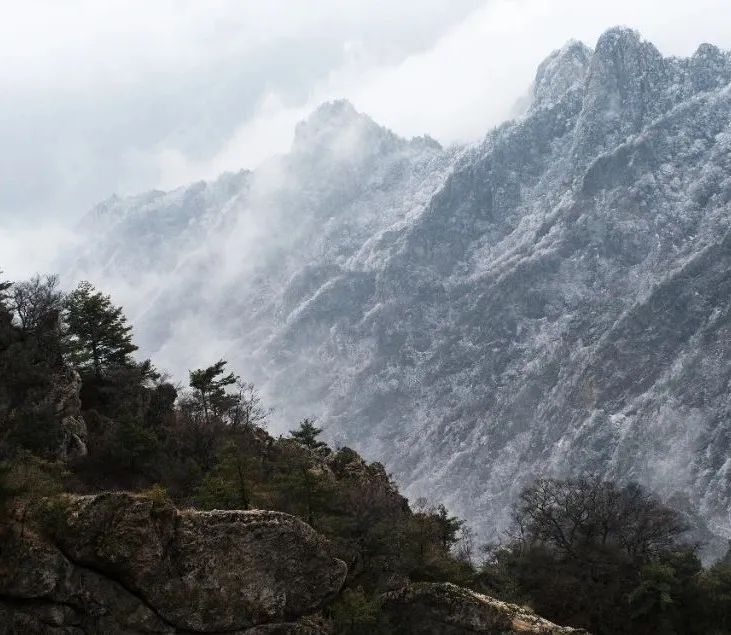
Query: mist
{"points": [[125, 97], [145, 108]]}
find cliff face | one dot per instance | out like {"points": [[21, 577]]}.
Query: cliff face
{"points": [[123, 563], [550, 301]]}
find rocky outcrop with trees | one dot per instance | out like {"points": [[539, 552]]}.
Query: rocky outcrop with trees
{"points": [[124, 563], [131, 505]]}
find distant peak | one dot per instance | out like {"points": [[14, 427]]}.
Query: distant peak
{"points": [[331, 115], [619, 35], [707, 50], [425, 141], [560, 71], [621, 54], [336, 109], [334, 123], [623, 39], [711, 67]]}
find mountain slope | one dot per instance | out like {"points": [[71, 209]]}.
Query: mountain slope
{"points": [[552, 300]]}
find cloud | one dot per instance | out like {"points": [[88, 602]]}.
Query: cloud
{"points": [[32, 249], [103, 97], [125, 96], [470, 79]]}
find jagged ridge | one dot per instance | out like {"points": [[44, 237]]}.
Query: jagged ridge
{"points": [[549, 301]]}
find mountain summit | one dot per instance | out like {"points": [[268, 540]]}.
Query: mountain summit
{"points": [[553, 300]]}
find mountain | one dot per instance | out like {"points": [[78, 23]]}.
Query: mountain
{"points": [[552, 300]]}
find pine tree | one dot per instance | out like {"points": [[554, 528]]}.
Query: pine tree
{"points": [[305, 490], [98, 334], [449, 527], [307, 434], [209, 385], [230, 485]]}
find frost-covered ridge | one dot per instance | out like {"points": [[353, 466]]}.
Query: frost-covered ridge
{"points": [[552, 300]]}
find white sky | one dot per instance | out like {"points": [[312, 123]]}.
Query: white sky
{"points": [[102, 97]]}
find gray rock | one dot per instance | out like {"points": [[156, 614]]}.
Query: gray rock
{"points": [[42, 591], [64, 397], [446, 609], [203, 571], [118, 563]]}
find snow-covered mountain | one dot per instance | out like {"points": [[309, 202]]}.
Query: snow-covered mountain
{"points": [[554, 299]]}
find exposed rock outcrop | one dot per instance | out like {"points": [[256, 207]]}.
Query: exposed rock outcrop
{"points": [[124, 563], [64, 398], [118, 562], [446, 609], [42, 591]]}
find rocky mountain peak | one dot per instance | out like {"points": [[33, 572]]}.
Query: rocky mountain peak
{"points": [[562, 70], [623, 66], [624, 90], [337, 128], [710, 67]]}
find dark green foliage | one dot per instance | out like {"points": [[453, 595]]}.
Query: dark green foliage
{"points": [[30, 359], [664, 593], [590, 553], [160, 413], [429, 537], [99, 337], [356, 612], [25, 482], [448, 527], [307, 434], [714, 587], [230, 485], [35, 429], [306, 490], [209, 385]]}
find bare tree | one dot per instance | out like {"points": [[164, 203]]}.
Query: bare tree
{"points": [[585, 514], [36, 302], [247, 410]]}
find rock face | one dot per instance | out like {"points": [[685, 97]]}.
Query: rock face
{"points": [[42, 591], [446, 609], [553, 300], [123, 563], [66, 403]]}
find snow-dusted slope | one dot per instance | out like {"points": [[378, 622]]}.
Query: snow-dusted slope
{"points": [[553, 300]]}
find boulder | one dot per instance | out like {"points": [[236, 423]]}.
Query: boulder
{"points": [[446, 609], [184, 570]]}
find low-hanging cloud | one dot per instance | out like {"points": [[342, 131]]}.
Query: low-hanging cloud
{"points": [[128, 96], [471, 78]]}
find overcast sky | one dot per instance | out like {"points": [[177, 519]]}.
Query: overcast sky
{"points": [[106, 96]]}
